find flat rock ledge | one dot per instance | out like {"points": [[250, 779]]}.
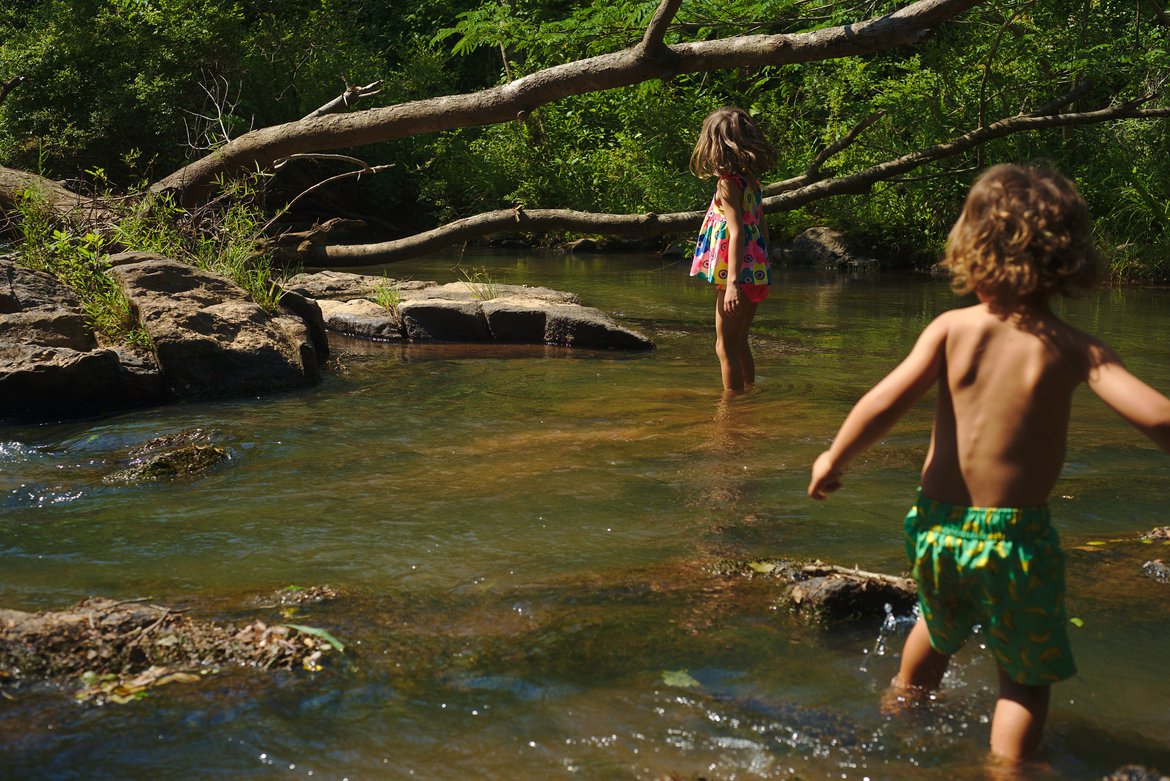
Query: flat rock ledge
{"points": [[383, 309]]}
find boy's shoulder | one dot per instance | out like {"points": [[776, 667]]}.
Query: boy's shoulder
{"points": [[1066, 342]]}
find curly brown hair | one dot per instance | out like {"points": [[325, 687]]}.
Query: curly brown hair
{"points": [[730, 144], [1024, 234]]}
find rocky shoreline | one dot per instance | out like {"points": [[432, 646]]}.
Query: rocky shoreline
{"points": [[209, 340]]}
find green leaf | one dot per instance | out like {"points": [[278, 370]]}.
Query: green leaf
{"points": [[318, 632], [762, 567], [1076, 622], [680, 678]]}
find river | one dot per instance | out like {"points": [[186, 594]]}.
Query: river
{"points": [[527, 541]]}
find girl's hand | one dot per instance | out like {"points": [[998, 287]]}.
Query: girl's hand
{"points": [[731, 297]]}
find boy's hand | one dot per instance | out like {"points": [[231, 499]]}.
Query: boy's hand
{"points": [[826, 477]]}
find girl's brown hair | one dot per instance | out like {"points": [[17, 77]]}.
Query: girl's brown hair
{"points": [[1024, 233], [730, 144]]}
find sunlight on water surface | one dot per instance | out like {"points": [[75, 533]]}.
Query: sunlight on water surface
{"points": [[527, 542]]}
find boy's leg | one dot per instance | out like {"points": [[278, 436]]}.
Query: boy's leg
{"points": [[1018, 723], [921, 669]]}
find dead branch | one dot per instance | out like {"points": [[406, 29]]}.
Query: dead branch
{"points": [[656, 31], [10, 85], [513, 220], [813, 172], [365, 169], [862, 181], [346, 99], [504, 103]]}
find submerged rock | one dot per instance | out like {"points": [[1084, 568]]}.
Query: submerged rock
{"points": [[116, 650], [180, 454], [1157, 570], [185, 461], [826, 593]]}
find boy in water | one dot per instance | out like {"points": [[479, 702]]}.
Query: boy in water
{"points": [[979, 536]]}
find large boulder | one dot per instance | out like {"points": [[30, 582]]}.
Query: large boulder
{"points": [[51, 365], [210, 338], [828, 249], [342, 286]]}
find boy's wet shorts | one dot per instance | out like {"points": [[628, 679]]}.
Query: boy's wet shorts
{"points": [[1001, 568]]}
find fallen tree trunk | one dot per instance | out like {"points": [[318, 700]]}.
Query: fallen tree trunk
{"points": [[650, 59], [62, 202]]}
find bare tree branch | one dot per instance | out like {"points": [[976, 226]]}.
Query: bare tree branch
{"points": [[644, 225], [365, 169], [10, 85], [656, 30], [862, 181], [504, 103], [347, 99]]}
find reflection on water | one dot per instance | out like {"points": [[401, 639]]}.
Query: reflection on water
{"points": [[528, 543]]}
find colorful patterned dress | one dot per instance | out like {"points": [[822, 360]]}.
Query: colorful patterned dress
{"points": [[711, 246]]}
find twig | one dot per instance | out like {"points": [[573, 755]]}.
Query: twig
{"points": [[365, 170], [346, 99]]}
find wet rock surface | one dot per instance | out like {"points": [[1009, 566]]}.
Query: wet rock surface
{"points": [[827, 593], [474, 311], [117, 650]]}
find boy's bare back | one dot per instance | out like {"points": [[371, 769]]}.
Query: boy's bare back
{"points": [[1005, 385], [1005, 389]]}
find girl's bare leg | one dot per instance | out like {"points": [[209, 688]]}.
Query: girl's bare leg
{"points": [[746, 360], [1018, 723], [727, 344], [920, 672]]}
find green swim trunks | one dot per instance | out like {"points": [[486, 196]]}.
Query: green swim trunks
{"points": [[1001, 568]]}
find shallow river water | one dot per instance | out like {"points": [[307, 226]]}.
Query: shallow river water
{"points": [[527, 540]]}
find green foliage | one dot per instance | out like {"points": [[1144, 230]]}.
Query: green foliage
{"points": [[221, 237], [386, 295], [156, 74]]}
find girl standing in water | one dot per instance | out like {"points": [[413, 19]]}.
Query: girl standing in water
{"points": [[732, 249]]}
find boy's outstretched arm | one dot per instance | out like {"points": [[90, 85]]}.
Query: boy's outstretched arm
{"points": [[882, 407], [1143, 407]]}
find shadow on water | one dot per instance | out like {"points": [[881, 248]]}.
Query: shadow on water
{"points": [[529, 555]]}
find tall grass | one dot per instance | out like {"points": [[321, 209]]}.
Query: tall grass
{"points": [[80, 261]]}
